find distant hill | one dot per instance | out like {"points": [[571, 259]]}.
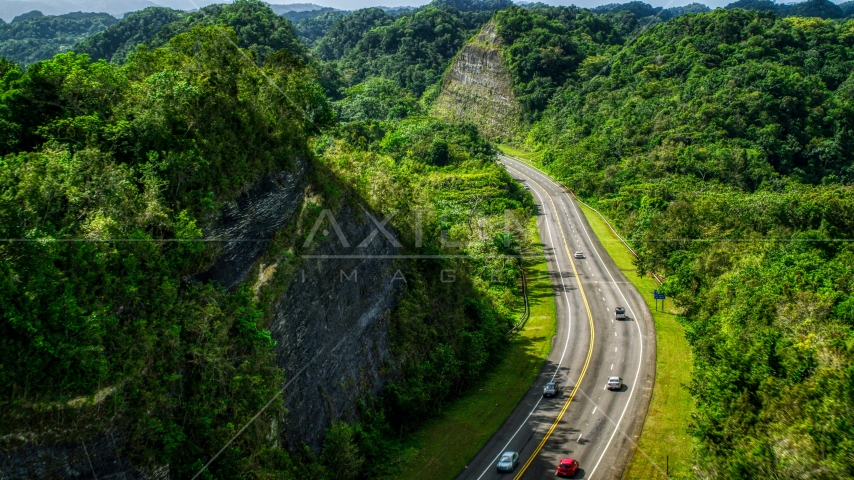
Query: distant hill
{"points": [[809, 8], [296, 7], [33, 36], [643, 10], [10, 9], [116, 42], [298, 16], [258, 29]]}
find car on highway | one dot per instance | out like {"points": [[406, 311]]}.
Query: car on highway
{"points": [[621, 313], [550, 390], [614, 383], [579, 255], [567, 467], [508, 461]]}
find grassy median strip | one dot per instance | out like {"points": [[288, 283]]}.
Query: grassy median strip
{"points": [[665, 432], [445, 444]]}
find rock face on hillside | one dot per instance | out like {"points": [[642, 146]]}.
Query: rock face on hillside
{"points": [[331, 326], [331, 329], [479, 89], [248, 224]]}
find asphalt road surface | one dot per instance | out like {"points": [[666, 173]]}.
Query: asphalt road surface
{"points": [[595, 426]]}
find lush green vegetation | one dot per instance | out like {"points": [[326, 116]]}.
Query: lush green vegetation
{"points": [[100, 164], [312, 28], [413, 49], [444, 445], [808, 8], [719, 142], [105, 165], [665, 442], [39, 37], [120, 40], [546, 45], [258, 29]]}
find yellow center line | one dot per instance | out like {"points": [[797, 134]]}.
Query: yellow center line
{"points": [[592, 335]]}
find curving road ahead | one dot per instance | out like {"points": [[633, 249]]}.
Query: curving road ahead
{"points": [[597, 427]]}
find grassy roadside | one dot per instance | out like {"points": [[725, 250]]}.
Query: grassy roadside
{"points": [[444, 445], [530, 157], [665, 430]]}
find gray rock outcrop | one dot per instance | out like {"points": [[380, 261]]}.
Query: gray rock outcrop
{"points": [[478, 88]]}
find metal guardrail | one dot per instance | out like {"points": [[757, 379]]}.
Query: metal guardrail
{"points": [[572, 192]]}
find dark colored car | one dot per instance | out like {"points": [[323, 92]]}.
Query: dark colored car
{"points": [[550, 390], [621, 313], [567, 467]]}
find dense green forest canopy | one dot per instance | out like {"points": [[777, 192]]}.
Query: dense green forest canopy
{"points": [[719, 143], [258, 28], [115, 43], [146, 151], [807, 8], [413, 49], [149, 149], [33, 37]]}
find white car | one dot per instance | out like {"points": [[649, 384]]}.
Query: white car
{"points": [[579, 255], [614, 383]]}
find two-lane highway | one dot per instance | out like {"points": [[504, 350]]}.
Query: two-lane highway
{"points": [[595, 426]]}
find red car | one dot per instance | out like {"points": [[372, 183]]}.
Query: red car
{"points": [[567, 468]]}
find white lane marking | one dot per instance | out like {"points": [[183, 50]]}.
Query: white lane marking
{"points": [[594, 410], [579, 438], [637, 323], [640, 338], [612, 366], [565, 345]]}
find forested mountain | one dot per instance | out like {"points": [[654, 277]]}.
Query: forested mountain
{"points": [[315, 27], [112, 174], [117, 42], [10, 9], [413, 50], [645, 12], [807, 8], [35, 37], [258, 30], [719, 143]]}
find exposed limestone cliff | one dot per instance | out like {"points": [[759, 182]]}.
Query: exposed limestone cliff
{"points": [[331, 328], [479, 89], [330, 324]]}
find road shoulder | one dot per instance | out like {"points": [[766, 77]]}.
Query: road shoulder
{"points": [[444, 445]]}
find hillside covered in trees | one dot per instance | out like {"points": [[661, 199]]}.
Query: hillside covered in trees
{"points": [[113, 174], [718, 141], [33, 37]]}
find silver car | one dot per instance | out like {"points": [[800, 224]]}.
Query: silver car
{"points": [[579, 255], [614, 383], [508, 461]]}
